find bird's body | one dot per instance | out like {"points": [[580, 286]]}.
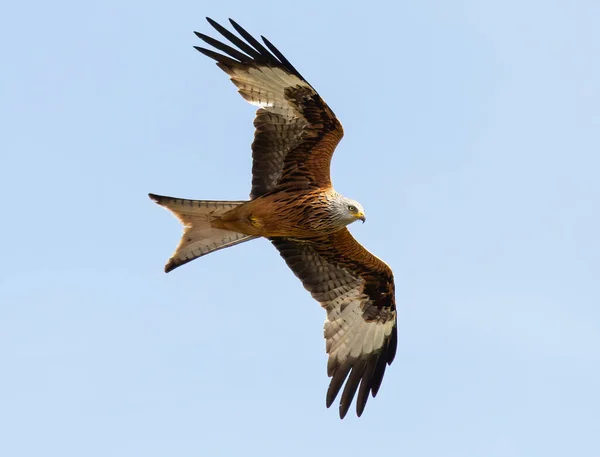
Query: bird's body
{"points": [[293, 204], [291, 214]]}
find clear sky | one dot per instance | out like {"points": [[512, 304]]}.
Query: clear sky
{"points": [[472, 140]]}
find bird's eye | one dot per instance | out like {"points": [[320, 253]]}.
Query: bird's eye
{"points": [[352, 208]]}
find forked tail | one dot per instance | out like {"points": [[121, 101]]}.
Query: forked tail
{"points": [[199, 236]]}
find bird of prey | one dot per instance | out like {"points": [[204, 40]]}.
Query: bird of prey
{"points": [[294, 205]]}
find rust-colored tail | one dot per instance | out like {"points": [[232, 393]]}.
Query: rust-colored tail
{"points": [[199, 236]]}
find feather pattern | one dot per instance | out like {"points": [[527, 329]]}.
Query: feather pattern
{"points": [[296, 132], [357, 291]]}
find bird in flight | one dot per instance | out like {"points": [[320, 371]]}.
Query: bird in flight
{"points": [[294, 205]]}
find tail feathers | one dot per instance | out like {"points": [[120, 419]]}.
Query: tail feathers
{"points": [[199, 236]]}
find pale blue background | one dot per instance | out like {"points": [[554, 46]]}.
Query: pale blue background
{"points": [[472, 140]]}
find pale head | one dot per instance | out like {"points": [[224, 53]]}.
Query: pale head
{"points": [[346, 210]]}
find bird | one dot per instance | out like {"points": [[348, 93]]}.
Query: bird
{"points": [[293, 204]]}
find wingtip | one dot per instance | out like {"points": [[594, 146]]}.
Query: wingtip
{"points": [[360, 407], [344, 410], [267, 42], [329, 400], [206, 52], [203, 37]]}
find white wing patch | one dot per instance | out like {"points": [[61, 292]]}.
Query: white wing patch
{"points": [[264, 87], [347, 334]]}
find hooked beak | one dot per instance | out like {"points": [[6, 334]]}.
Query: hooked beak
{"points": [[362, 217]]}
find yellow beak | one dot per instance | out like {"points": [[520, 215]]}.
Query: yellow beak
{"points": [[361, 216]]}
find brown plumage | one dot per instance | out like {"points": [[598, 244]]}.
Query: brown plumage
{"points": [[293, 203]]}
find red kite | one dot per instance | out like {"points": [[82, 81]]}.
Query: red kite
{"points": [[293, 204]]}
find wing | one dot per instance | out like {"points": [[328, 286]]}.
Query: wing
{"points": [[296, 132], [357, 291]]}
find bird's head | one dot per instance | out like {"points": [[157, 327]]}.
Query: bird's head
{"points": [[349, 211]]}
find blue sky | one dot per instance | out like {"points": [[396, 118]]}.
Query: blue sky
{"points": [[472, 140]]}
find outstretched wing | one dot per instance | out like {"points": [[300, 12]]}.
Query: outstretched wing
{"points": [[296, 132], [357, 291]]}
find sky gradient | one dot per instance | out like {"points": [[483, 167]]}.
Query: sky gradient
{"points": [[472, 139]]}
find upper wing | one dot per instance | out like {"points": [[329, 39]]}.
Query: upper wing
{"points": [[357, 290], [296, 132]]}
